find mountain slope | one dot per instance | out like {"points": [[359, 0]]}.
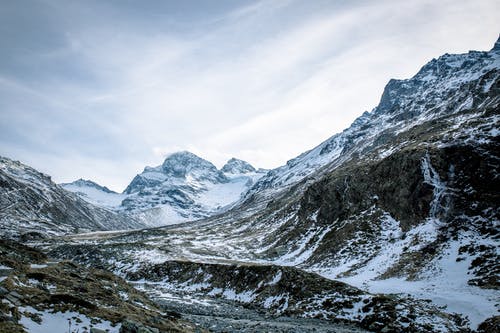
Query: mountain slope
{"points": [[94, 193], [444, 86], [31, 203]]}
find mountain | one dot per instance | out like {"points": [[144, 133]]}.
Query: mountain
{"points": [[185, 187], [94, 193], [83, 183], [30, 203], [178, 167], [236, 166], [404, 201], [444, 86]]}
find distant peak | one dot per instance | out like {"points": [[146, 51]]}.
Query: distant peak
{"points": [[88, 183], [183, 158], [182, 153], [182, 163], [236, 166], [496, 47]]}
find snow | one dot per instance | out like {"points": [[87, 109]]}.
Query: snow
{"points": [[431, 177], [162, 215], [244, 297], [3, 267], [96, 196], [220, 195], [304, 250], [444, 281], [184, 188], [271, 300], [276, 279], [62, 322], [154, 174], [447, 290], [153, 256], [37, 266], [275, 300]]}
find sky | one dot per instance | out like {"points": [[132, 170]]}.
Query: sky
{"points": [[100, 89]]}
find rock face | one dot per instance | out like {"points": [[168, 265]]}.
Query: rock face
{"points": [[236, 166], [187, 187], [183, 166], [447, 86], [404, 201], [31, 204]]}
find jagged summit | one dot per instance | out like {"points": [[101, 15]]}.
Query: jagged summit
{"points": [[434, 83], [87, 183], [177, 167], [450, 84], [236, 166], [186, 186], [184, 163], [496, 47]]}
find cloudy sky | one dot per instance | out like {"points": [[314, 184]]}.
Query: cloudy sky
{"points": [[99, 89]]}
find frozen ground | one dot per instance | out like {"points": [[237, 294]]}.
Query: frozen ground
{"points": [[72, 322], [221, 315]]}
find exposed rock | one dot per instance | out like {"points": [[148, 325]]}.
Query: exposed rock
{"points": [[65, 286], [236, 166], [31, 203]]}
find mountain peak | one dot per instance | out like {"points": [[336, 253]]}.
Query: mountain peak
{"points": [[236, 166], [87, 183], [181, 163], [496, 47]]}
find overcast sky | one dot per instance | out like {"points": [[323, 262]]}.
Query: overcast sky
{"points": [[100, 89]]}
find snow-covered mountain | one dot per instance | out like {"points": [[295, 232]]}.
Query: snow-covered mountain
{"points": [[403, 201], [185, 187], [444, 86], [236, 166], [30, 203], [94, 193]]}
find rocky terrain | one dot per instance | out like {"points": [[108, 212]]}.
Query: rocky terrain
{"points": [[33, 206], [388, 226], [39, 295]]}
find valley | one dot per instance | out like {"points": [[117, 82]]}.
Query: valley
{"points": [[389, 226]]}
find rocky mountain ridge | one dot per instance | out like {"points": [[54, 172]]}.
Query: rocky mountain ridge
{"points": [[236, 166], [87, 183], [31, 204], [442, 87]]}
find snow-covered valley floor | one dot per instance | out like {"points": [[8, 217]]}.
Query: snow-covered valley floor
{"points": [[444, 283]]}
